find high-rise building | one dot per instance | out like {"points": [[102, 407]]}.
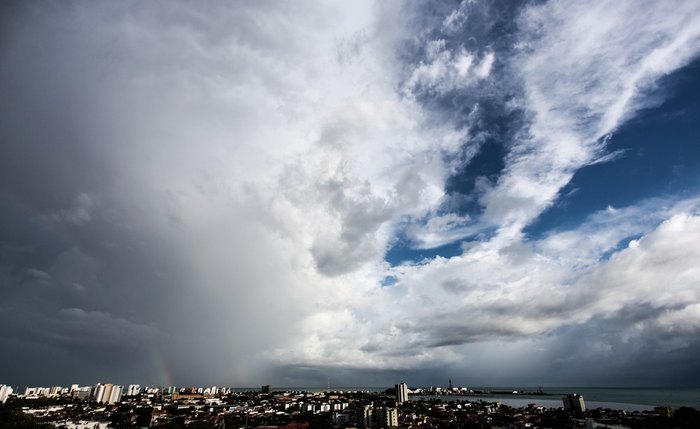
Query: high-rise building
{"points": [[97, 392], [107, 393], [364, 417], [380, 417], [115, 395], [574, 402], [386, 417], [133, 389], [401, 392], [5, 391]]}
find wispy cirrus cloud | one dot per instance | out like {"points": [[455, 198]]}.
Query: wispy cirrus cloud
{"points": [[585, 69], [446, 71]]}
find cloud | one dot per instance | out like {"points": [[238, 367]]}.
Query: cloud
{"points": [[447, 70], [218, 187], [438, 230], [527, 292], [100, 328], [458, 16], [81, 212], [247, 165], [572, 93], [37, 275], [579, 89]]}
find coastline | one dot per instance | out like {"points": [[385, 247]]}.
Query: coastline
{"points": [[623, 398]]}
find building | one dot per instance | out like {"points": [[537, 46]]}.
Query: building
{"points": [[401, 393], [266, 388], [97, 391], [386, 417], [574, 402], [5, 391], [115, 395], [322, 408], [133, 390], [107, 393], [37, 391], [364, 417], [81, 393], [342, 418], [371, 416]]}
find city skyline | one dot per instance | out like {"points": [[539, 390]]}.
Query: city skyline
{"points": [[492, 192]]}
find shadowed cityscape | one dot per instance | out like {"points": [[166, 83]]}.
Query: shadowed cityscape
{"points": [[104, 406]]}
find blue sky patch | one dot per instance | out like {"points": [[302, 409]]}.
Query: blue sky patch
{"points": [[402, 252]]}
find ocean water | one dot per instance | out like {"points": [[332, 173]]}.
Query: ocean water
{"points": [[546, 402], [629, 399]]}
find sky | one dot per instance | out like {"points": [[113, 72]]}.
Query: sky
{"points": [[499, 193]]}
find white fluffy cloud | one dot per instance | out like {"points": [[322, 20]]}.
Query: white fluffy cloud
{"points": [[257, 159], [577, 93], [526, 289]]}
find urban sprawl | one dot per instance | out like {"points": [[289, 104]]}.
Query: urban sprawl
{"points": [[104, 406]]}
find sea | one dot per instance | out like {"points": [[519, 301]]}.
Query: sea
{"points": [[617, 398]]}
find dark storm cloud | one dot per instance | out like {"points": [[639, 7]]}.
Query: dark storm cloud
{"points": [[80, 275], [620, 358], [142, 146]]}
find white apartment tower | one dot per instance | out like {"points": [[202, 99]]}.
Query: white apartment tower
{"points": [[115, 395], [107, 393], [364, 417], [387, 417], [5, 391], [401, 393]]}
